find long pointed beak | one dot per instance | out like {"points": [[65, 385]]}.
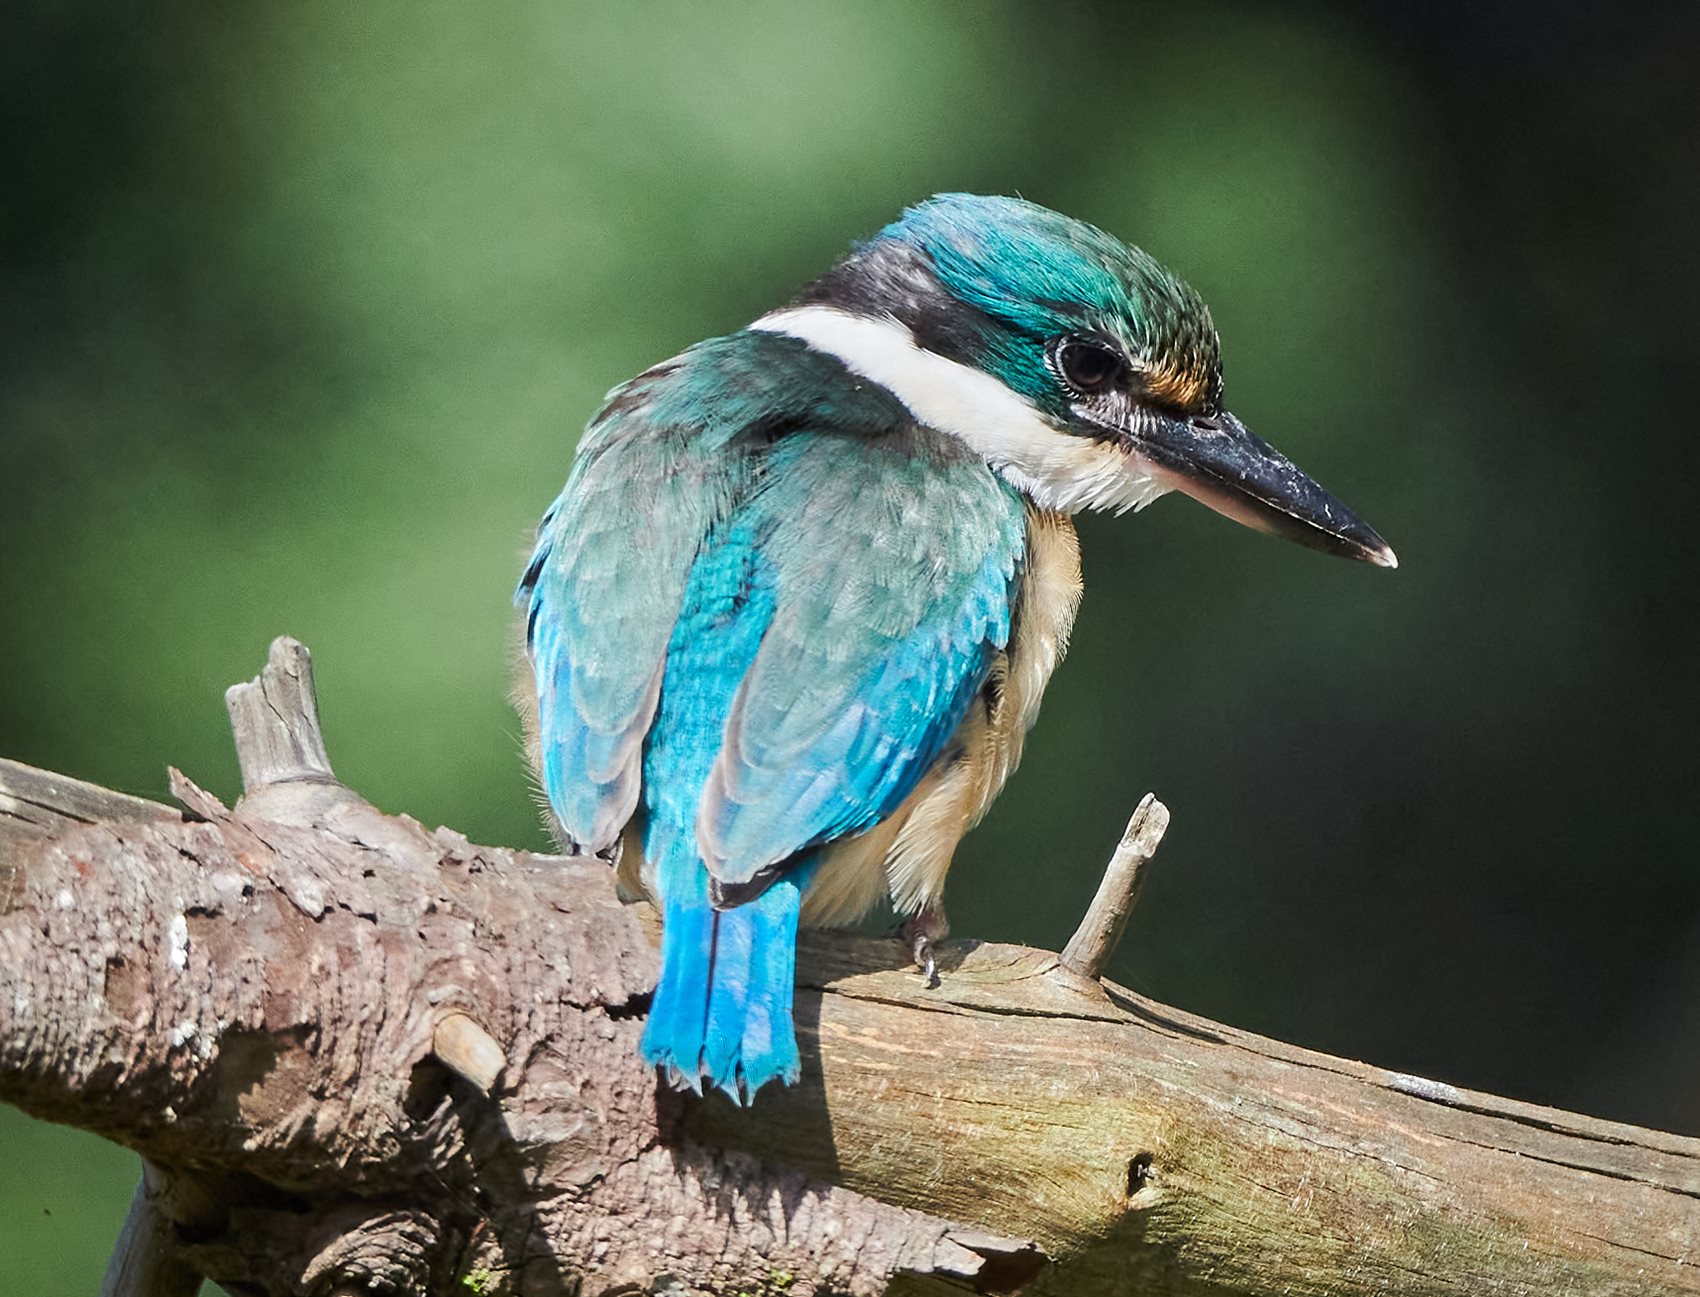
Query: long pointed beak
{"points": [[1220, 462]]}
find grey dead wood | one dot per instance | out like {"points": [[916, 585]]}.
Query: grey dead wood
{"points": [[146, 1260], [359, 1056], [1089, 949]]}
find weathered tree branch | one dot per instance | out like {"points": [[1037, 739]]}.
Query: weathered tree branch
{"points": [[362, 1057]]}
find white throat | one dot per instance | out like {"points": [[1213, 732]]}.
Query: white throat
{"points": [[1054, 469]]}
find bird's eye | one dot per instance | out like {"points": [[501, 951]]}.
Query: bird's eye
{"points": [[1088, 367]]}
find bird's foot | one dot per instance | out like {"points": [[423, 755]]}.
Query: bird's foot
{"points": [[609, 855], [918, 933]]}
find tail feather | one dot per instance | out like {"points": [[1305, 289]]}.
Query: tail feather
{"points": [[722, 1009], [678, 1012]]}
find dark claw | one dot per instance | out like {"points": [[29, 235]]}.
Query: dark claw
{"points": [[609, 855], [922, 948], [918, 933]]}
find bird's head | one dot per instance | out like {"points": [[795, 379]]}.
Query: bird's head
{"points": [[1079, 367]]}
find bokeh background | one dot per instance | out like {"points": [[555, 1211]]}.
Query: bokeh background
{"points": [[303, 306]]}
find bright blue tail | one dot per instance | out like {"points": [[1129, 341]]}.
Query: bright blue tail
{"points": [[722, 1009]]}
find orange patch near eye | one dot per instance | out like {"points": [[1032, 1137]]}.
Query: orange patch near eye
{"points": [[1181, 389]]}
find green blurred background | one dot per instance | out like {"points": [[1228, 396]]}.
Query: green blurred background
{"points": [[303, 307]]}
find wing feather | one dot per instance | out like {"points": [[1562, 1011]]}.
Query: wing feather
{"points": [[855, 575], [604, 586], [894, 562]]}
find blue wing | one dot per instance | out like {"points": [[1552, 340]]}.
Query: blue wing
{"points": [[658, 468], [890, 562], [888, 550], [603, 597]]}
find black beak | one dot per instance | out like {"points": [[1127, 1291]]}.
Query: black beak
{"points": [[1220, 462]]}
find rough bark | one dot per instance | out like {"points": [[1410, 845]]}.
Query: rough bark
{"points": [[366, 1057]]}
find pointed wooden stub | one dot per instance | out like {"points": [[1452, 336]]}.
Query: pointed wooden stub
{"points": [[275, 717], [1089, 950]]}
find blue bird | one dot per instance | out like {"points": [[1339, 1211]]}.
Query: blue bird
{"points": [[791, 617]]}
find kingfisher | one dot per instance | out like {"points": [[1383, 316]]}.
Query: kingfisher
{"points": [[792, 616]]}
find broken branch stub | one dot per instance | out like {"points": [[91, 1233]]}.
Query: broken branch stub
{"points": [[275, 718], [466, 1049], [145, 1260], [1088, 951]]}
